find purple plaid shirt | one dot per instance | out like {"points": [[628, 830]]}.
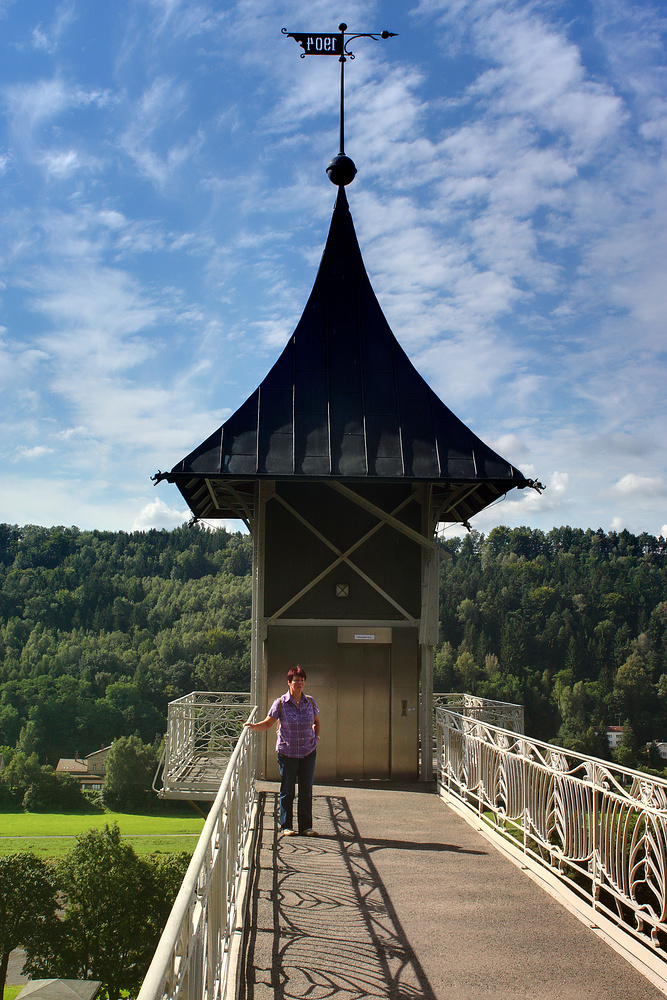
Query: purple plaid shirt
{"points": [[295, 725]]}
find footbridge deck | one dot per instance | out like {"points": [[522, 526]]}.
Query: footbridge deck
{"points": [[534, 872], [401, 897]]}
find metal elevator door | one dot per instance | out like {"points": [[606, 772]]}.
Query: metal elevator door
{"points": [[363, 716]]}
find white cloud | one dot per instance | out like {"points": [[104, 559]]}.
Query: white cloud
{"points": [[32, 106], [633, 485], [47, 40], [39, 39], [512, 447], [62, 164], [147, 139], [39, 451], [98, 312], [156, 514], [522, 506], [71, 432]]}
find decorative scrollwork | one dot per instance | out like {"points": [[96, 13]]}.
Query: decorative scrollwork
{"points": [[375, 35], [558, 760], [647, 867], [599, 828]]}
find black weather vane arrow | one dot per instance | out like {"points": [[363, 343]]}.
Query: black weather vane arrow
{"points": [[330, 43], [341, 170]]}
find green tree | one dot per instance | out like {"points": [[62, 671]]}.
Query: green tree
{"points": [[443, 668], [28, 906], [111, 915], [635, 695], [467, 672], [20, 773], [52, 792], [168, 871], [130, 766], [10, 725], [626, 752]]}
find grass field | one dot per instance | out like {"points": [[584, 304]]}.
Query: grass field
{"points": [[51, 835], [12, 991]]}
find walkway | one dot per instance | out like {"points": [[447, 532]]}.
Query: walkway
{"points": [[400, 898]]}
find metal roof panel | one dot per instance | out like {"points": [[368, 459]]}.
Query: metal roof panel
{"points": [[343, 400]]}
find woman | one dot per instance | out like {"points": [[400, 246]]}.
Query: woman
{"points": [[298, 720]]}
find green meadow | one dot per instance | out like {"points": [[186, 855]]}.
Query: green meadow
{"points": [[51, 835]]}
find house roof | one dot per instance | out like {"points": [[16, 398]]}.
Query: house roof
{"points": [[343, 401], [72, 765], [80, 765]]}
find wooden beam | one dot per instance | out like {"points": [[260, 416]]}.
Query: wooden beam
{"points": [[386, 518]]}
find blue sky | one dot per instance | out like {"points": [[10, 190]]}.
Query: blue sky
{"points": [[164, 205]]}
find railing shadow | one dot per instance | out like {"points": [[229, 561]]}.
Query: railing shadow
{"points": [[321, 921]]}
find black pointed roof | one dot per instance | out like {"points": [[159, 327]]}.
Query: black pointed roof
{"points": [[343, 401]]}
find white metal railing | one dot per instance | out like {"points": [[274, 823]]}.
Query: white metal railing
{"points": [[192, 959], [498, 713], [601, 829], [202, 730]]}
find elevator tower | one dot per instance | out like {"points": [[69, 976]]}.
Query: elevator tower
{"points": [[342, 463]]}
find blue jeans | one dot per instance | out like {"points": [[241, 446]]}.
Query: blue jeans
{"points": [[293, 770]]}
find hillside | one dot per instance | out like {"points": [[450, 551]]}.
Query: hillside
{"points": [[571, 623], [100, 630]]}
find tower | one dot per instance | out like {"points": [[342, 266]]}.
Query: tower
{"points": [[341, 463]]}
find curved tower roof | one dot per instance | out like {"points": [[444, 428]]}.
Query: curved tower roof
{"points": [[344, 402]]}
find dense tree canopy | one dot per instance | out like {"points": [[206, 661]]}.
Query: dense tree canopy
{"points": [[130, 766], [571, 623], [113, 908], [100, 630], [28, 907]]}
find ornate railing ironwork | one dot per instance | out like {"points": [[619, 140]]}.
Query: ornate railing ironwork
{"points": [[498, 713], [601, 829], [202, 730], [193, 958]]}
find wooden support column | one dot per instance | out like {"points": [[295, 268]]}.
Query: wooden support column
{"points": [[257, 649], [428, 637]]}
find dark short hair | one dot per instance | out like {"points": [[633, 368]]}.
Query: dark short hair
{"points": [[296, 672]]}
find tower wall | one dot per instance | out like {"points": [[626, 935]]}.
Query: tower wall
{"points": [[342, 595]]}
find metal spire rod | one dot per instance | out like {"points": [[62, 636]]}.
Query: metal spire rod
{"points": [[342, 61], [332, 44]]}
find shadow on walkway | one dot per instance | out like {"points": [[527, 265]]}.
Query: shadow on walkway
{"points": [[331, 924], [398, 897]]}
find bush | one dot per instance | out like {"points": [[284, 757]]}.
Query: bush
{"points": [[130, 766], [53, 792]]}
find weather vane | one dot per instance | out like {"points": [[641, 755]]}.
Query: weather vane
{"points": [[341, 170]]}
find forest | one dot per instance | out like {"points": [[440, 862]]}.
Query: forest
{"points": [[570, 623], [100, 630]]}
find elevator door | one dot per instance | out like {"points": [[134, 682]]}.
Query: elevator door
{"points": [[363, 717]]}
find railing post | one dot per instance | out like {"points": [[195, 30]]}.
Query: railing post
{"points": [[594, 822], [479, 776], [525, 819]]}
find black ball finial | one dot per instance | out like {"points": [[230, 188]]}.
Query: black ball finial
{"points": [[341, 170]]}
